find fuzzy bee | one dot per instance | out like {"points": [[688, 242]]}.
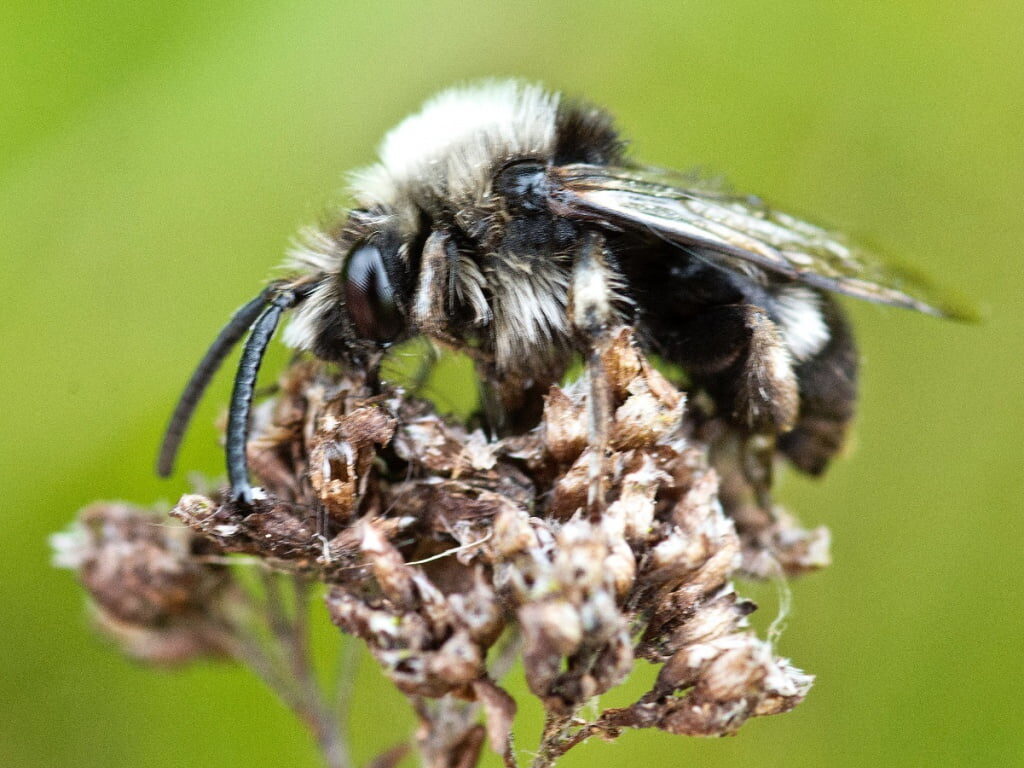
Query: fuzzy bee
{"points": [[505, 221]]}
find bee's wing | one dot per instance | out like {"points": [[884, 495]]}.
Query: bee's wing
{"points": [[728, 227]]}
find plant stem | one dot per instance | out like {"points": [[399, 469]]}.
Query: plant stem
{"points": [[281, 658]]}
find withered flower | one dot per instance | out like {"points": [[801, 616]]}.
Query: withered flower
{"points": [[450, 556], [150, 589]]}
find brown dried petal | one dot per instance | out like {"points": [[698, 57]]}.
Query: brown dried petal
{"points": [[569, 495], [621, 363], [635, 506], [552, 628], [787, 546], [455, 508], [342, 453], [711, 619], [478, 611], [444, 448], [620, 567], [733, 678], [457, 662], [395, 579], [643, 420], [513, 533]]}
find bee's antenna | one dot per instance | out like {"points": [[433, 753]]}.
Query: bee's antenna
{"points": [[245, 382], [200, 379]]}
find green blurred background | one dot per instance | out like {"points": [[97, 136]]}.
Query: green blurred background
{"points": [[156, 157]]}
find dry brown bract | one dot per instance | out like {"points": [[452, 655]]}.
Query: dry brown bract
{"points": [[450, 556]]}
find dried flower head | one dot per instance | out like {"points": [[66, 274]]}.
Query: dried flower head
{"points": [[151, 590], [450, 556]]}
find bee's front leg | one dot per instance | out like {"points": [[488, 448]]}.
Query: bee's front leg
{"points": [[593, 314]]}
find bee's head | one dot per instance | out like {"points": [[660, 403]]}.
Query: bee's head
{"points": [[361, 303]]}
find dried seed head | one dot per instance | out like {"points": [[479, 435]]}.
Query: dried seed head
{"points": [[427, 642], [152, 589], [435, 541], [726, 681]]}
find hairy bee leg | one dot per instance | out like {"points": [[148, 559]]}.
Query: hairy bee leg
{"points": [[767, 396], [509, 405], [766, 400], [737, 353], [494, 407], [593, 316], [758, 457], [242, 392], [599, 407], [433, 296]]}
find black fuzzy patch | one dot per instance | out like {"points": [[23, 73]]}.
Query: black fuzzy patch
{"points": [[586, 134]]}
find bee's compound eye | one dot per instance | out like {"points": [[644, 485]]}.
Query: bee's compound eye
{"points": [[369, 296]]}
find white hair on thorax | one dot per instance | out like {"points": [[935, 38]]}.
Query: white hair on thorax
{"points": [[452, 144]]}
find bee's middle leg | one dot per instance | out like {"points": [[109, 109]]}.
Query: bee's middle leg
{"points": [[593, 315], [736, 353]]}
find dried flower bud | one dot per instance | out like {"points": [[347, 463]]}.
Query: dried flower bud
{"points": [[152, 591], [428, 643], [727, 680], [575, 636]]}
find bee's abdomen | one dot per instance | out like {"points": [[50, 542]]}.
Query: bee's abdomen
{"points": [[828, 395]]}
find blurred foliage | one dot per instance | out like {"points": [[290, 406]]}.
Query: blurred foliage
{"points": [[155, 158]]}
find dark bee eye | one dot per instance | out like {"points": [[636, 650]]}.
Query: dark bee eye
{"points": [[370, 297]]}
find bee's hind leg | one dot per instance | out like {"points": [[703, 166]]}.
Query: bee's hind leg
{"points": [[592, 311], [737, 354], [766, 402], [758, 459]]}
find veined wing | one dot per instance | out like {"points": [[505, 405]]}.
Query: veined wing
{"points": [[678, 209]]}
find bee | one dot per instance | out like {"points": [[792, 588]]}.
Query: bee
{"points": [[506, 221]]}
